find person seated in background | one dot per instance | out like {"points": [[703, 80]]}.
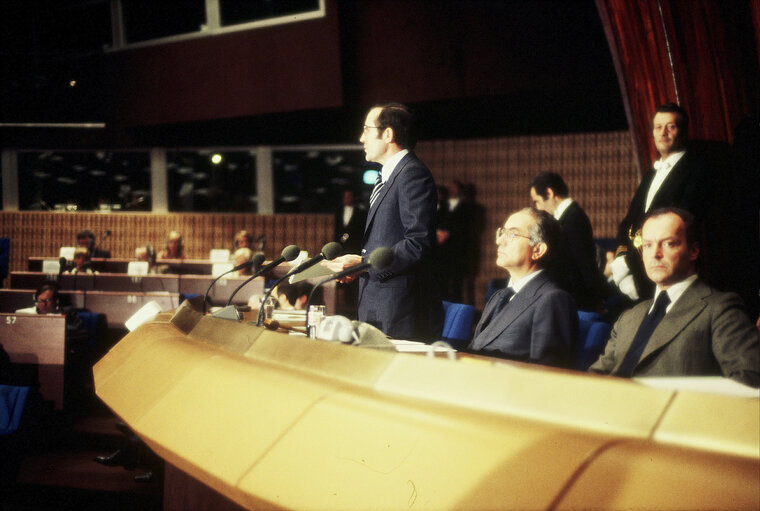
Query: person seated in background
{"points": [[533, 319], [147, 254], [86, 239], [242, 255], [174, 248], [243, 239], [46, 301], [293, 296], [688, 328], [81, 262], [78, 363]]}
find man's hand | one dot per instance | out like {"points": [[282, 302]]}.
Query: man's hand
{"points": [[343, 262]]}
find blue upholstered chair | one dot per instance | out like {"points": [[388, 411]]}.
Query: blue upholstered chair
{"points": [[457, 323], [12, 401], [95, 323], [593, 334]]}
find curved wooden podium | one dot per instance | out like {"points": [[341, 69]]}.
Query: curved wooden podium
{"points": [[273, 421]]}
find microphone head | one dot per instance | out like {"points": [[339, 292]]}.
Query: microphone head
{"points": [[271, 324], [290, 252], [381, 257], [257, 260], [332, 250]]}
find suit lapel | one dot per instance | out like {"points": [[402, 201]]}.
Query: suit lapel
{"points": [[384, 191], [688, 306], [674, 180], [511, 312]]}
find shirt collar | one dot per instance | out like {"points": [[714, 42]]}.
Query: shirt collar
{"points": [[517, 285], [672, 159], [562, 206], [675, 291], [391, 164]]}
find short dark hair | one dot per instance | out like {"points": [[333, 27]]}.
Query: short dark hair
{"points": [[293, 292], [692, 231], [85, 233], [545, 180], [47, 287], [400, 119], [682, 118]]}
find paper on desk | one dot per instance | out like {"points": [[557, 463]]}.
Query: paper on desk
{"points": [[417, 347], [146, 313], [709, 384]]}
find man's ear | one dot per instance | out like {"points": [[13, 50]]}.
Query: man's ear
{"points": [[539, 250], [549, 194], [694, 251], [388, 136], [301, 302]]}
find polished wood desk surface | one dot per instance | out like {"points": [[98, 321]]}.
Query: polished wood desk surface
{"points": [[350, 426], [38, 342]]}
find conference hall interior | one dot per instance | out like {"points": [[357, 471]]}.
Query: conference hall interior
{"points": [[136, 122]]}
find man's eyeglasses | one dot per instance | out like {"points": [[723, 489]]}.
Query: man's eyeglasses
{"points": [[45, 300], [367, 128], [511, 235]]}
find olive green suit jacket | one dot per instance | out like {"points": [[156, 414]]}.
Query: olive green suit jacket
{"points": [[706, 332]]}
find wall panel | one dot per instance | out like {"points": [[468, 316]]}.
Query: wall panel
{"points": [[599, 169], [35, 233]]}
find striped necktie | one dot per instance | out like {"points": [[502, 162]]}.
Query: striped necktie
{"points": [[376, 189]]}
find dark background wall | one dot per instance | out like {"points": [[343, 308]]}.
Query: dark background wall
{"points": [[476, 68]]}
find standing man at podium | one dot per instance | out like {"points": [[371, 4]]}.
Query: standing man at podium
{"points": [[402, 300]]}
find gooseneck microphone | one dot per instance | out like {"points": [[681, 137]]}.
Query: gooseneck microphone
{"points": [[380, 258], [105, 235], [329, 252], [61, 268], [254, 262], [288, 254]]}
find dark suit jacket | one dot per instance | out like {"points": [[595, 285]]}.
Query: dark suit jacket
{"points": [[589, 288], [688, 186], [539, 325], [350, 235], [402, 300], [706, 332], [455, 254]]}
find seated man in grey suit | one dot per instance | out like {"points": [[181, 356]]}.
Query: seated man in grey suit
{"points": [[692, 329], [532, 320]]}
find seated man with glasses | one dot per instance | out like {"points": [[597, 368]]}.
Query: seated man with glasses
{"points": [[46, 301], [533, 319]]}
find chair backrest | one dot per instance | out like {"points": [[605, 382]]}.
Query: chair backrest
{"points": [[457, 321], [12, 401], [593, 334], [95, 323]]}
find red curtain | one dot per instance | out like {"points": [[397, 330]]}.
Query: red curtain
{"points": [[702, 54]]}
